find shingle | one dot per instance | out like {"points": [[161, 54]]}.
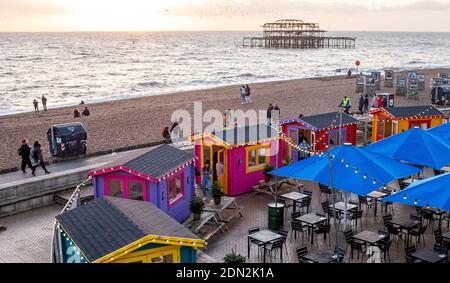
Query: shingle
{"points": [[107, 224], [159, 161], [245, 135], [409, 111]]}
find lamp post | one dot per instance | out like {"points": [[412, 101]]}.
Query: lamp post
{"points": [[330, 167]]}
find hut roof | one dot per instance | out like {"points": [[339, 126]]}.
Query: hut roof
{"points": [[159, 161], [247, 134], [323, 121], [411, 111], [108, 224]]}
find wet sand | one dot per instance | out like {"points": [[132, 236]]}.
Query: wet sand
{"points": [[136, 122]]}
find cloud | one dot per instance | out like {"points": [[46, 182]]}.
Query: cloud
{"points": [[266, 8], [30, 8]]}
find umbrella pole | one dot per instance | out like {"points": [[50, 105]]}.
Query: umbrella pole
{"points": [[334, 197]]}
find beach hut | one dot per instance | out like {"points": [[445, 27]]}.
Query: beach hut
{"points": [[421, 81], [377, 77], [238, 156], [393, 120], [163, 175], [319, 131], [359, 83], [117, 230]]}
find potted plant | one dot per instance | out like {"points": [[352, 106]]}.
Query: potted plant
{"points": [[196, 206], [233, 257], [268, 168], [217, 192]]}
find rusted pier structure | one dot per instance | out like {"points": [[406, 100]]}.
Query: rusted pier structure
{"points": [[296, 34]]}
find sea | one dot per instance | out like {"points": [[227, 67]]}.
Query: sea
{"points": [[104, 66]]}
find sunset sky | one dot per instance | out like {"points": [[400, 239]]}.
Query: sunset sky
{"points": [[143, 15]]}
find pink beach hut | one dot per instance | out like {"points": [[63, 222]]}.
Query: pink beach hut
{"points": [[238, 156], [163, 176]]}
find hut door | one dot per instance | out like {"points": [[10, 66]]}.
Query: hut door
{"points": [[222, 169], [293, 135]]}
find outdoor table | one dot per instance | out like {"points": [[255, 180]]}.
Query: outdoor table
{"points": [[406, 225], [264, 236], [369, 237], [321, 257], [375, 195], [429, 256], [341, 206], [294, 197], [311, 219]]}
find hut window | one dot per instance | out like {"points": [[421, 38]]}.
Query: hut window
{"points": [[257, 157], [136, 191], [175, 188], [115, 188]]}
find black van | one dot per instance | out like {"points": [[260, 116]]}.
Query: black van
{"points": [[67, 140], [439, 93]]}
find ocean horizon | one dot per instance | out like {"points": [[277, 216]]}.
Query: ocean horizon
{"points": [[95, 67]]}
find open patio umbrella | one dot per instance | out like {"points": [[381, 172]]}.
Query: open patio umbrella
{"points": [[415, 146], [355, 170], [442, 131], [433, 192]]}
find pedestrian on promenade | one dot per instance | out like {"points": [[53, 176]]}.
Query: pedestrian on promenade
{"points": [[243, 91], [366, 103], [248, 99], [276, 113], [361, 103], [38, 157], [36, 106], [44, 102], [269, 114], [25, 151], [206, 178]]}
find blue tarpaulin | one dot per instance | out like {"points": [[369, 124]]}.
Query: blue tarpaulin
{"points": [[415, 146], [442, 131], [433, 192], [354, 170]]}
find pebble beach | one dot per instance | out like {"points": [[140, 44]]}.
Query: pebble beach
{"points": [[138, 122]]}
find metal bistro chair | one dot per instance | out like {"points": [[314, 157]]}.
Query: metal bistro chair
{"points": [[438, 236], [353, 217], [418, 233], [387, 204], [354, 244], [305, 203], [259, 244], [324, 190], [387, 220], [284, 234], [340, 254], [324, 229], [364, 201], [429, 217], [301, 252], [274, 246], [297, 227], [409, 250], [384, 247]]}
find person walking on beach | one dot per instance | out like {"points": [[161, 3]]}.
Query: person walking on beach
{"points": [[346, 104], [25, 151], [276, 113], [38, 158], [243, 92], [269, 114], [361, 103], [36, 106], [206, 178], [44, 103], [247, 94], [366, 103]]}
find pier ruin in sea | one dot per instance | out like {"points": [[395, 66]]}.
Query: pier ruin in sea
{"points": [[290, 33]]}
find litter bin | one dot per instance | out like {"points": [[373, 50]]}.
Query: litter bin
{"points": [[67, 140], [276, 215]]}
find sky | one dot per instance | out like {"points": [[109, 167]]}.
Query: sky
{"points": [[161, 15]]}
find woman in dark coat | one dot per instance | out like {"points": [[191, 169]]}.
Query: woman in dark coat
{"points": [[38, 157]]}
